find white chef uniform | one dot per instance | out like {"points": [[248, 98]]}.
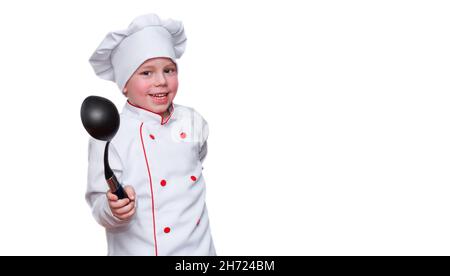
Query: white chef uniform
{"points": [[162, 160], [163, 163]]}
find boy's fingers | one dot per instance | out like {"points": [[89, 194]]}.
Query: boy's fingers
{"points": [[119, 203], [111, 196], [124, 210], [127, 215], [121, 207], [130, 192]]}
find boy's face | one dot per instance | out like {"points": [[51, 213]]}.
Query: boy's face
{"points": [[154, 85]]}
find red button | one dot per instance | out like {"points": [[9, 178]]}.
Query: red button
{"points": [[193, 178], [152, 137], [182, 135], [163, 182], [166, 230]]}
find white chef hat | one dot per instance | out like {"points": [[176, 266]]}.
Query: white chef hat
{"points": [[122, 52]]}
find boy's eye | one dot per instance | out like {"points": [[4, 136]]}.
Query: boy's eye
{"points": [[169, 70], [146, 73]]}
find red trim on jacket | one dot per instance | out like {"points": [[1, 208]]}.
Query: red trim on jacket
{"points": [[171, 108], [151, 191]]}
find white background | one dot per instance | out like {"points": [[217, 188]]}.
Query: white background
{"points": [[329, 123]]}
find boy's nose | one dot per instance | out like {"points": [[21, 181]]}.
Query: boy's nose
{"points": [[160, 79]]}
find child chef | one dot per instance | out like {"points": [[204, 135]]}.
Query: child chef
{"points": [[157, 152]]}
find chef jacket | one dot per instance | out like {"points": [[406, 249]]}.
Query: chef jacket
{"points": [[162, 161]]}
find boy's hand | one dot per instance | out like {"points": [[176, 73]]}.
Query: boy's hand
{"points": [[125, 208]]}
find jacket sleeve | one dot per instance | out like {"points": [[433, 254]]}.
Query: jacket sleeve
{"points": [[203, 132], [96, 183]]}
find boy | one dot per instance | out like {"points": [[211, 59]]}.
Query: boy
{"points": [[157, 152]]}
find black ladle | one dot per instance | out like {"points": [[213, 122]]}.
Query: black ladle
{"points": [[101, 120]]}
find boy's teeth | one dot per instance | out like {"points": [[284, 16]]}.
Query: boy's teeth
{"points": [[159, 95]]}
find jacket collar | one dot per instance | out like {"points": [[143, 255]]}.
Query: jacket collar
{"points": [[146, 115]]}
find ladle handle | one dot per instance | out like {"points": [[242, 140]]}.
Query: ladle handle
{"points": [[113, 183], [116, 188]]}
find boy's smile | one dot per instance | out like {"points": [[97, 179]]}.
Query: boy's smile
{"points": [[154, 85]]}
